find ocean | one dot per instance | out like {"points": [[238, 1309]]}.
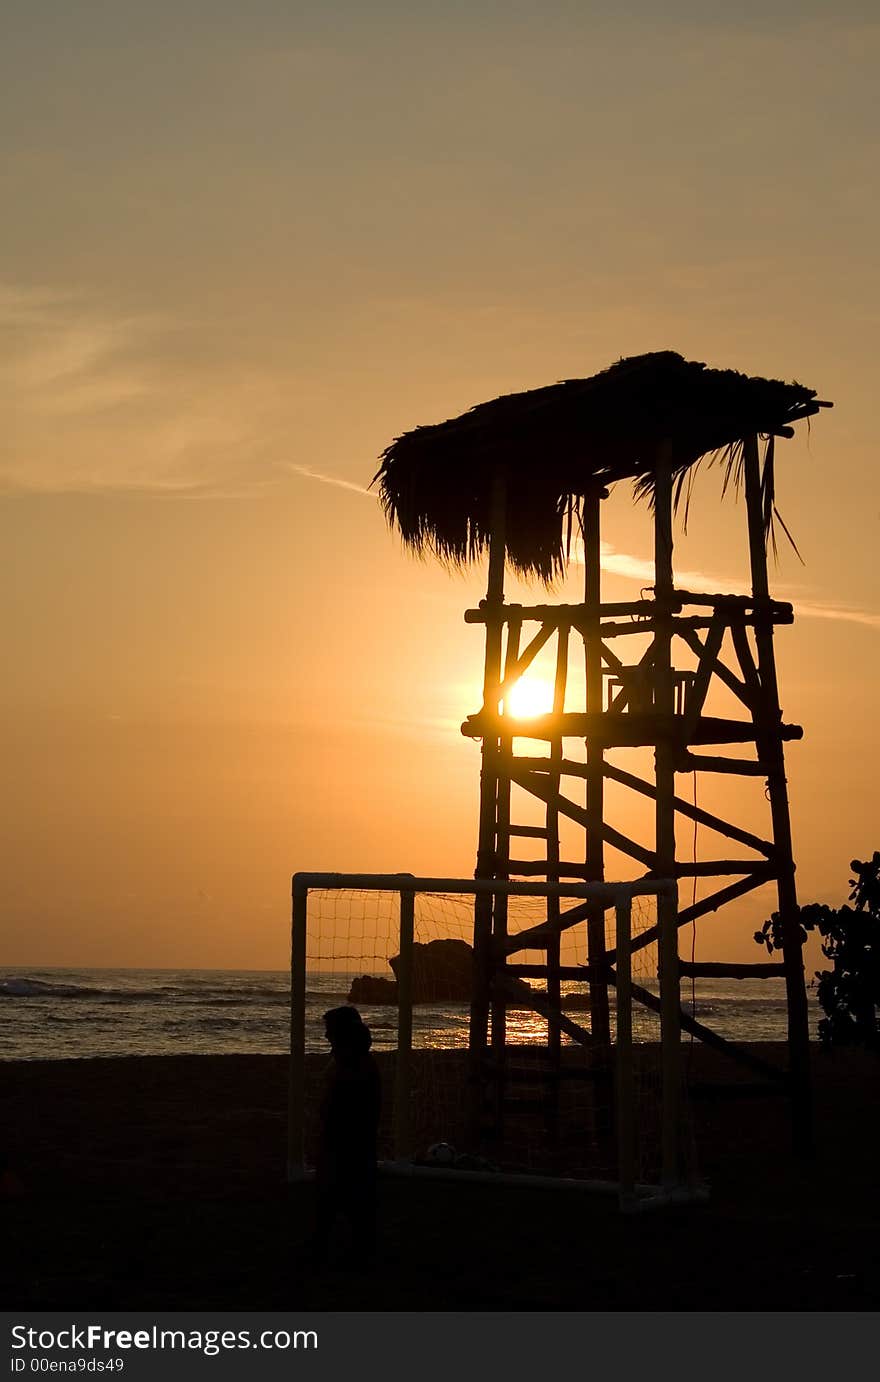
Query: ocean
{"points": [[51, 1014]]}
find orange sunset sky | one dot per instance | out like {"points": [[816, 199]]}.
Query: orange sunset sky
{"points": [[244, 248]]}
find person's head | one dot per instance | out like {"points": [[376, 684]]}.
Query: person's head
{"points": [[346, 1031]]}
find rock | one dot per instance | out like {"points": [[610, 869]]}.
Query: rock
{"points": [[368, 989], [441, 973]]}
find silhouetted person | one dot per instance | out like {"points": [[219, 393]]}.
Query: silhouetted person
{"points": [[346, 1164]]}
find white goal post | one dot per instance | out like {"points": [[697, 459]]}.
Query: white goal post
{"points": [[616, 898]]}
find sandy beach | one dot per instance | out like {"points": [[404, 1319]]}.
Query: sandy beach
{"points": [[150, 1183]]}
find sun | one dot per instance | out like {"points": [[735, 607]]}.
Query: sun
{"points": [[529, 697]]}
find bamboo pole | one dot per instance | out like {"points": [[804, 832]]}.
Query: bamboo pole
{"points": [[731, 767], [535, 1001], [297, 1068], [714, 868], [633, 730], [595, 779], [487, 846], [525, 940], [536, 868], [625, 1089], [736, 605], [539, 784], [520, 663], [770, 751], [664, 758], [552, 869], [499, 903], [594, 801], [719, 969], [694, 813], [403, 1064], [740, 1055]]}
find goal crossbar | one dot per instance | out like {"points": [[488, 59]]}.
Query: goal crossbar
{"points": [[608, 893]]}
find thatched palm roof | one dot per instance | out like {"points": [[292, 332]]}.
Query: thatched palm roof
{"points": [[556, 444]]}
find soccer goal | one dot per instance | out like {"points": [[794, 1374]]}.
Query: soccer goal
{"points": [[502, 1054]]}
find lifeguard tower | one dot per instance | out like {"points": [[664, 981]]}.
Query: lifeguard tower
{"points": [[522, 479]]}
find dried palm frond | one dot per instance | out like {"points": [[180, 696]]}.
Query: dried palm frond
{"points": [[556, 445]]}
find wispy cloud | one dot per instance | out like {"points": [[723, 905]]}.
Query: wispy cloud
{"points": [[336, 480], [639, 569], [67, 355], [807, 610], [100, 398]]}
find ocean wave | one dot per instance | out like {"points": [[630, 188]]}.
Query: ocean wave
{"points": [[38, 988], [26, 987]]}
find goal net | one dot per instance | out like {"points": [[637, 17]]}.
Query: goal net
{"points": [[555, 1077]]}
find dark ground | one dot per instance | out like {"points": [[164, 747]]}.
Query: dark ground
{"points": [[158, 1183]]}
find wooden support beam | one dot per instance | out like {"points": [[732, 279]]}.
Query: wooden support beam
{"points": [[771, 752], [705, 1034], [717, 969], [725, 895], [709, 868], [631, 848], [534, 937], [572, 615], [502, 847], [533, 1001], [746, 661], [478, 1033], [523, 660], [709, 658], [664, 761], [552, 865], [529, 832], [633, 677], [568, 767], [578, 973], [737, 605], [554, 614], [779, 615], [618, 702], [610, 658], [708, 904], [706, 763], [541, 788], [572, 915], [625, 1086], [538, 868], [629, 730], [694, 813]]}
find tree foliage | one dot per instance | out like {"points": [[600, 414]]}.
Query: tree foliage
{"points": [[849, 992]]}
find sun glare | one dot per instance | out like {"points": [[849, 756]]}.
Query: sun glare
{"points": [[530, 697]]}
